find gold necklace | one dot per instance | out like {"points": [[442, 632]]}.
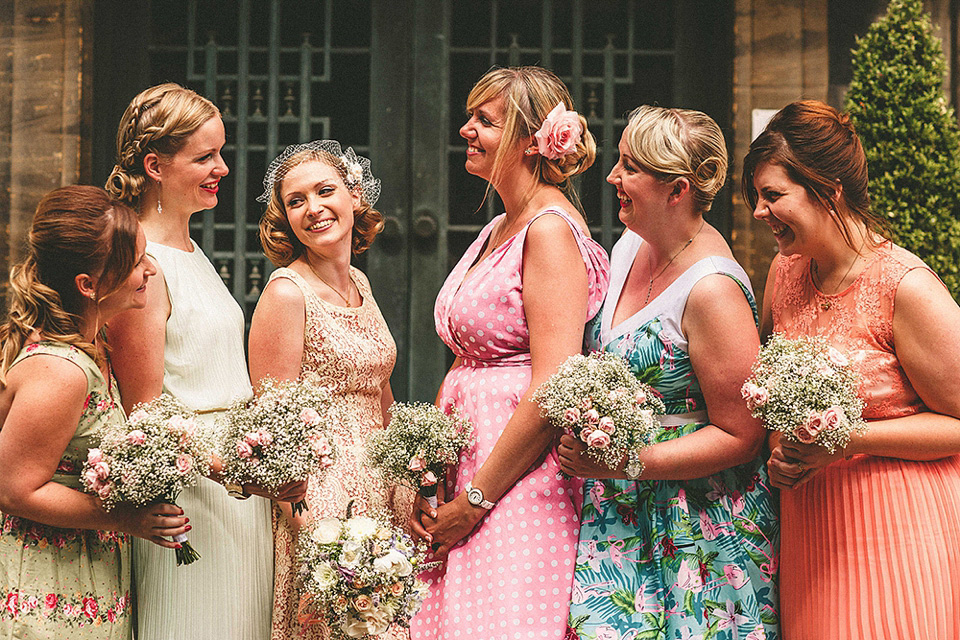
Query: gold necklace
{"points": [[826, 304], [685, 245], [346, 300]]}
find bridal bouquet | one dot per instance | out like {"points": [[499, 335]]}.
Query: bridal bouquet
{"points": [[360, 575], [420, 441], [278, 437], [151, 458], [598, 399], [806, 390]]}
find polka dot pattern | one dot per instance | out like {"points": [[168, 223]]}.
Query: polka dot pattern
{"points": [[513, 577]]}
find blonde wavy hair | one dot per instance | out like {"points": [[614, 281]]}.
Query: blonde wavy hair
{"points": [[674, 143], [279, 242], [529, 94], [76, 230], [158, 120]]}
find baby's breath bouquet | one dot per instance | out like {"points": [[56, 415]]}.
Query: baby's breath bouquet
{"points": [[419, 443], [598, 399], [360, 575], [278, 437], [806, 390], [152, 457]]}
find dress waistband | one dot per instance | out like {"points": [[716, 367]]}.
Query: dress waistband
{"points": [[679, 419], [513, 360]]}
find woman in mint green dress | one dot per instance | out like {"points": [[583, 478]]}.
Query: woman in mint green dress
{"points": [[64, 561], [683, 546]]}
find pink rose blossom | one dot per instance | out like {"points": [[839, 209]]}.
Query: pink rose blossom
{"points": [[252, 439], [754, 395], [244, 450], [13, 599], [91, 479], [836, 358], [310, 416], [585, 404], [606, 424], [571, 415], [396, 588], [559, 134], [321, 446], [598, 439], [428, 479], [50, 601], [735, 576], [136, 437], [102, 469], [591, 416], [833, 417], [105, 490], [94, 456], [184, 463], [417, 463], [266, 439], [640, 396], [111, 615], [807, 432]]}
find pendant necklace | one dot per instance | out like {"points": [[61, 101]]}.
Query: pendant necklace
{"points": [[685, 245], [346, 300], [826, 304]]}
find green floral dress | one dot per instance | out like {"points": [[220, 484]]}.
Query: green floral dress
{"points": [[673, 560], [66, 583]]}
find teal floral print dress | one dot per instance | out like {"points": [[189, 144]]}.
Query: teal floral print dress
{"points": [[67, 583], [673, 560]]}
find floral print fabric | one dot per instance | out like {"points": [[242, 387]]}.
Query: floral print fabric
{"points": [[58, 583], [673, 560]]}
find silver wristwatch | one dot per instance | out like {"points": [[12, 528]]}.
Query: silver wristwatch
{"points": [[475, 497], [633, 469]]}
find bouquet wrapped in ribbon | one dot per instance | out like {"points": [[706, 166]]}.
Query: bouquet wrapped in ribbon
{"points": [[599, 400], [152, 457], [359, 575], [278, 437], [806, 390], [418, 444]]}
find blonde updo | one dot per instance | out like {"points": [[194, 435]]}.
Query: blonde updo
{"points": [[158, 120], [529, 94], [280, 244], [76, 230], [680, 143]]}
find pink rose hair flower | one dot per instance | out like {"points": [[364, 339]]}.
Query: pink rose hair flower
{"points": [[559, 134]]}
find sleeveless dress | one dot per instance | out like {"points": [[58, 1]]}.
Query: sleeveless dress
{"points": [[351, 352], [228, 592], [871, 545], [511, 578], [67, 583], [663, 559]]}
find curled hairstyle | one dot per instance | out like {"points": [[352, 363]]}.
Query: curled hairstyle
{"points": [[819, 149], [279, 242], [671, 143], [529, 94], [158, 120], [76, 230]]}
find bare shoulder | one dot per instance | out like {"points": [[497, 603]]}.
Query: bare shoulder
{"points": [[59, 378], [553, 231], [281, 299], [714, 296]]}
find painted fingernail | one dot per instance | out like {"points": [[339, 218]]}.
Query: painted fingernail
{"points": [[188, 528], [186, 520], [179, 546], [181, 511]]}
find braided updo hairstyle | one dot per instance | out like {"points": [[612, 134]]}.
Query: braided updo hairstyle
{"points": [[76, 230], [819, 149], [157, 120], [674, 143], [529, 94]]}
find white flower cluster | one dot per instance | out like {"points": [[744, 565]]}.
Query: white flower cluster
{"points": [[360, 575], [156, 454], [262, 441], [598, 399], [418, 444], [806, 390]]}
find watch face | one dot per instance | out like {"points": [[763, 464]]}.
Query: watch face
{"points": [[475, 496]]}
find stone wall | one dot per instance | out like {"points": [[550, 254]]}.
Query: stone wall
{"points": [[44, 108]]}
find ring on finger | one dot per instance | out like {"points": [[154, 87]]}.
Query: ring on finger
{"points": [[800, 466]]}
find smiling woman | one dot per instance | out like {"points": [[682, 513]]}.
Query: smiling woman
{"points": [[317, 321]]}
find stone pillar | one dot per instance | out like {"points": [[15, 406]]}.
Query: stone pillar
{"points": [[44, 108], [780, 56]]}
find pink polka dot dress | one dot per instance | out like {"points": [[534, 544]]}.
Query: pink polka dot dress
{"points": [[512, 578]]}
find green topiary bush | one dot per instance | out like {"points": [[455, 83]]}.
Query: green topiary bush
{"points": [[910, 135]]}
